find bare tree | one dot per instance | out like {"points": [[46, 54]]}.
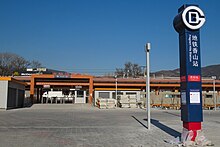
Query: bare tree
{"points": [[136, 69], [11, 63], [119, 72], [129, 70], [5, 64], [18, 64], [35, 64]]}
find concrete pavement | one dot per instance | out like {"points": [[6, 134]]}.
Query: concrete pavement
{"points": [[67, 125]]}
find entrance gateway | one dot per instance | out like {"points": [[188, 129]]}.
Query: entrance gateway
{"points": [[187, 23], [74, 88], [64, 96]]}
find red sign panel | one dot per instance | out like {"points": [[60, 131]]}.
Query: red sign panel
{"points": [[183, 79], [194, 78], [191, 78]]}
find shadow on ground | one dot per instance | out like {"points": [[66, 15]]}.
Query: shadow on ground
{"points": [[161, 126]]}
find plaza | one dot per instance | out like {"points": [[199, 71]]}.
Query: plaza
{"points": [[57, 125]]}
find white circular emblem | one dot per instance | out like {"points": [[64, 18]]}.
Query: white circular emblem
{"points": [[193, 17]]}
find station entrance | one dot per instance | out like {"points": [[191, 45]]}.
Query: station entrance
{"points": [[70, 88], [64, 96]]}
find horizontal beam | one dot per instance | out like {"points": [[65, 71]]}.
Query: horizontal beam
{"points": [[62, 84]]}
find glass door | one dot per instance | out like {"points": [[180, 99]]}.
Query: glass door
{"points": [[80, 96]]}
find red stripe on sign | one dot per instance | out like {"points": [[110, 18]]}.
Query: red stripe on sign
{"points": [[194, 78], [183, 79]]}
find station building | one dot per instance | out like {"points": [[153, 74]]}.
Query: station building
{"points": [[88, 88], [12, 93]]}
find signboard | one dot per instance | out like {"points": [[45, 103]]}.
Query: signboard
{"points": [[78, 87], [187, 23], [183, 97], [62, 75], [194, 97], [46, 86]]}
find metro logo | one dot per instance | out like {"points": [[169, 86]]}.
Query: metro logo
{"points": [[193, 17]]}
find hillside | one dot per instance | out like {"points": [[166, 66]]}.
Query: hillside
{"points": [[208, 71]]}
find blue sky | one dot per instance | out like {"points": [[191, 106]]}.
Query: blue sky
{"points": [[97, 36]]}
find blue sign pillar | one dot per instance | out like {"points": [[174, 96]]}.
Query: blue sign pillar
{"points": [[187, 23]]}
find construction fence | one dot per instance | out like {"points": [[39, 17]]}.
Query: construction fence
{"points": [[172, 100], [165, 100]]}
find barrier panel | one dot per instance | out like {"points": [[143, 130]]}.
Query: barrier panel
{"points": [[209, 101], [156, 100]]}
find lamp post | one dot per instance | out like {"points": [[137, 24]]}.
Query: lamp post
{"points": [[147, 49], [116, 89], [214, 77]]}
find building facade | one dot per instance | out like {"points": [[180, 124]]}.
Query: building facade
{"points": [[87, 89]]}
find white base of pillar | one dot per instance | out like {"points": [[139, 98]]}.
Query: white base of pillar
{"points": [[194, 138]]}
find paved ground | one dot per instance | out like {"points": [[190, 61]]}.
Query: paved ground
{"points": [[58, 125]]}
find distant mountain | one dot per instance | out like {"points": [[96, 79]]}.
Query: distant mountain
{"points": [[212, 70], [208, 71], [167, 73]]}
